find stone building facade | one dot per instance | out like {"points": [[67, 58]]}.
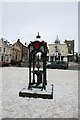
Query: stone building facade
{"points": [[16, 53], [22, 49], [64, 51], [70, 45], [5, 51], [58, 51]]}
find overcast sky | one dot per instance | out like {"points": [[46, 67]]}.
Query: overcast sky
{"points": [[23, 20]]}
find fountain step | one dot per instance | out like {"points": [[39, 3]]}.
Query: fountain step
{"points": [[37, 93]]}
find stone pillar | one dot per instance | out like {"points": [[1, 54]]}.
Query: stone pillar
{"points": [[60, 58], [49, 58]]}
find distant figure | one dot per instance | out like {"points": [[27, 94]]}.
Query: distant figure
{"points": [[20, 63]]}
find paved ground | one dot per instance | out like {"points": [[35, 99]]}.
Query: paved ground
{"points": [[74, 66], [63, 105]]}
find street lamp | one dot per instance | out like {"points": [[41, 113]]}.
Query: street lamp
{"points": [[56, 51]]}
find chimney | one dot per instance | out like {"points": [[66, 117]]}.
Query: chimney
{"points": [[18, 40]]}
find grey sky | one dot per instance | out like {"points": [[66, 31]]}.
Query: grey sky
{"points": [[24, 20]]}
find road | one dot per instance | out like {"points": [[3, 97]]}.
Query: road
{"points": [[74, 66]]}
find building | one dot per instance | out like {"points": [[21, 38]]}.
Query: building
{"points": [[78, 59], [23, 49], [70, 45], [5, 51], [16, 53], [58, 51]]}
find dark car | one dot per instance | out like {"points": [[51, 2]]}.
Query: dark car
{"points": [[58, 65], [16, 63], [3, 64]]}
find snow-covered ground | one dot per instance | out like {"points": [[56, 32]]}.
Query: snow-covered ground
{"points": [[0, 92], [64, 104]]}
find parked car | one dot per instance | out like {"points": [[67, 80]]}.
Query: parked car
{"points": [[58, 65], [16, 63], [3, 64]]}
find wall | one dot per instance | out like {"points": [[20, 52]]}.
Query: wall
{"points": [[61, 47]]}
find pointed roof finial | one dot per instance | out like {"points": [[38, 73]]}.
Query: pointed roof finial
{"points": [[38, 36], [57, 40]]}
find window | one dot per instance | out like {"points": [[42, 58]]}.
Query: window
{"points": [[4, 49], [69, 52], [16, 57], [1, 58], [0, 49]]}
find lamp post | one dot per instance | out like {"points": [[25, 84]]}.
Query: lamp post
{"points": [[56, 52]]}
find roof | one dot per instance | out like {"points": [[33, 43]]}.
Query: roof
{"points": [[19, 42]]}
